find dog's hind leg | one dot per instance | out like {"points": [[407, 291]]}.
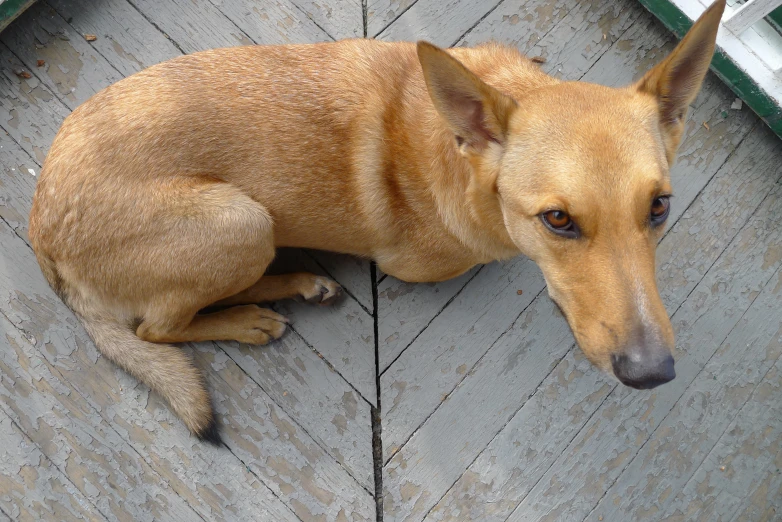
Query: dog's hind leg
{"points": [[138, 268], [310, 287], [220, 249]]}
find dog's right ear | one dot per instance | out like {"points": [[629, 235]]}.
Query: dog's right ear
{"points": [[477, 113], [676, 81]]}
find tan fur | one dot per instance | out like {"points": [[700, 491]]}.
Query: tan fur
{"points": [[169, 191]]}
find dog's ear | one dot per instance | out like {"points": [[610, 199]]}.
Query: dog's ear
{"points": [[476, 113], [676, 81]]}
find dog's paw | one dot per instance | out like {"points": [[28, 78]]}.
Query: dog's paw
{"points": [[320, 290], [258, 325]]}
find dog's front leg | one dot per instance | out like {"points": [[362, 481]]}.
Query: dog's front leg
{"points": [[310, 287]]}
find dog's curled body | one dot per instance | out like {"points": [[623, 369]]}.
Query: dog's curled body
{"points": [[168, 192]]}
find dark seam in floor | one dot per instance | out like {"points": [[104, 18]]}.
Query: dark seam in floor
{"points": [[156, 26], [12, 229], [377, 427], [364, 16], [331, 366]]}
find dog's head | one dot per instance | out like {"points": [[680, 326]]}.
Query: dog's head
{"points": [[580, 175]]}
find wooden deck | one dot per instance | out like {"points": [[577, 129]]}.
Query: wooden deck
{"points": [[483, 410]]}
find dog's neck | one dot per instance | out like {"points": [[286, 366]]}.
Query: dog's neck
{"points": [[468, 205]]}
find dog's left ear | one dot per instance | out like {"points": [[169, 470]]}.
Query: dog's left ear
{"points": [[477, 113], [677, 80]]}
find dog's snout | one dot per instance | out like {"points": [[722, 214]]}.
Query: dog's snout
{"points": [[643, 371]]}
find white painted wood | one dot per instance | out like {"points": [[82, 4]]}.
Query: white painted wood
{"points": [[746, 57], [751, 12]]}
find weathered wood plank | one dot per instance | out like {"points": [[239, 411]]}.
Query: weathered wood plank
{"points": [[380, 13], [764, 503], [195, 25], [73, 69], [626, 419], [276, 449], [412, 402], [342, 333], [339, 18], [125, 38], [419, 475], [741, 478], [519, 23], [569, 36], [29, 112], [415, 385], [516, 458], [277, 22], [323, 404], [405, 309], [442, 23], [17, 179], [31, 488], [521, 453], [680, 444], [351, 272], [99, 463]]}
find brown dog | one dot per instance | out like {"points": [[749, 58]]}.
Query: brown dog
{"points": [[169, 192]]}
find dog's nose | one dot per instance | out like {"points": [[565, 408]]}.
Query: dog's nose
{"points": [[643, 371]]}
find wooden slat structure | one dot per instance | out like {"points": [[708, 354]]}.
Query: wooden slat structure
{"points": [[472, 402]]}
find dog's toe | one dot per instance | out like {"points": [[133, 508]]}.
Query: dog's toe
{"points": [[323, 291]]}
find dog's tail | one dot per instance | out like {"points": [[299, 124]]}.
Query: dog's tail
{"points": [[166, 369]]}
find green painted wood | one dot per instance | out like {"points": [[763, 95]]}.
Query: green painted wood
{"points": [[742, 84], [776, 17], [10, 9]]}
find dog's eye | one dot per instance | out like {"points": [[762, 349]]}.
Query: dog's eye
{"points": [[661, 206], [560, 223]]}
